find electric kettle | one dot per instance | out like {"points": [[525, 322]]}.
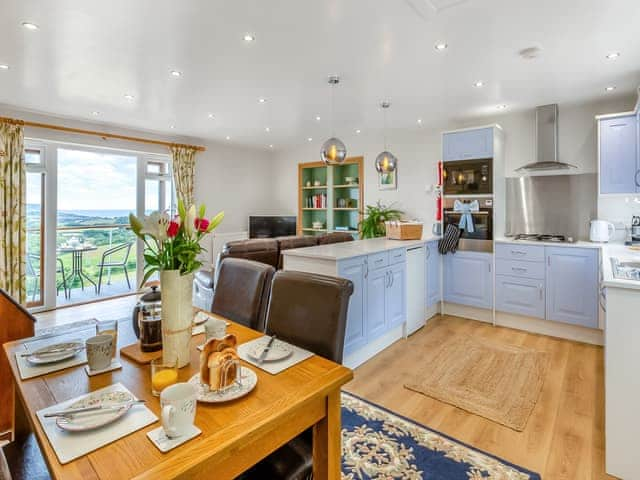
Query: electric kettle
{"points": [[601, 231]]}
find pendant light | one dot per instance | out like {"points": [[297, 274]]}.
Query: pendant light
{"points": [[386, 162], [333, 150]]}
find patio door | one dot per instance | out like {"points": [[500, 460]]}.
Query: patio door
{"points": [[80, 246]]}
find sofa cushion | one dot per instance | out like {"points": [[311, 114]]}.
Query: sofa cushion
{"points": [[335, 237], [263, 250], [204, 278], [287, 243]]}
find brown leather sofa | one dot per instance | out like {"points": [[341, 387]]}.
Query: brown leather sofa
{"points": [[265, 250]]}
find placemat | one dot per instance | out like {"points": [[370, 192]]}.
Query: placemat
{"points": [[71, 445], [298, 355]]}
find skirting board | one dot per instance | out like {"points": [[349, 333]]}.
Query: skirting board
{"points": [[358, 357], [474, 313]]}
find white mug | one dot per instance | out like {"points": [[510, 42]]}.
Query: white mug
{"points": [[99, 351], [215, 328], [178, 404]]}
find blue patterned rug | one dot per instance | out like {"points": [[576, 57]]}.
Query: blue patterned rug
{"points": [[380, 445]]}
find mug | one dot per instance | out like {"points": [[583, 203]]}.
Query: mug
{"points": [[99, 351], [178, 409], [215, 328]]}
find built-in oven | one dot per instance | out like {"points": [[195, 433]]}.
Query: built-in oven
{"points": [[467, 177], [480, 237]]}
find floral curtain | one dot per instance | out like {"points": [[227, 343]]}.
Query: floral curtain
{"points": [[13, 233], [183, 172]]}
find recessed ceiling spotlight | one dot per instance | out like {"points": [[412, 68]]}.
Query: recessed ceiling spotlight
{"points": [[501, 107], [249, 37], [441, 46], [172, 127], [271, 146], [228, 137], [267, 129], [309, 139], [129, 97], [210, 115], [317, 118], [4, 66], [419, 121], [613, 55], [610, 88], [176, 73], [262, 100], [30, 26], [478, 84], [95, 113], [358, 131]]}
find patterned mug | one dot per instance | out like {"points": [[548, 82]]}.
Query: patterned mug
{"points": [[178, 407], [99, 351]]}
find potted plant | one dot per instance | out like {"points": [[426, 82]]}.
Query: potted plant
{"points": [[172, 246], [372, 225]]}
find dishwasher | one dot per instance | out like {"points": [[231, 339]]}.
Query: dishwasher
{"points": [[416, 288]]}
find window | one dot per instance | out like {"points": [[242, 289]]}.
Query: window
{"points": [[34, 267]]}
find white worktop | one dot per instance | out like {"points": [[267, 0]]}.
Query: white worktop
{"points": [[578, 244], [624, 254], [339, 251]]}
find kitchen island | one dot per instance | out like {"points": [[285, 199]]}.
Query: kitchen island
{"points": [[396, 287]]}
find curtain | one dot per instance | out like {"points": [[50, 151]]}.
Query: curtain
{"points": [[13, 232], [183, 172]]}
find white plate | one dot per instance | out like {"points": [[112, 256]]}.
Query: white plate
{"points": [[41, 357], [248, 380], [80, 422], [278, 351]]}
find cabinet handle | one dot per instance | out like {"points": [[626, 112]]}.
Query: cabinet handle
{"points": [[549, 261], [518, 252], [518, 269], [489, 268], [391, 279], [636, 178], [428, 252], [540, 290], [366, 269]]}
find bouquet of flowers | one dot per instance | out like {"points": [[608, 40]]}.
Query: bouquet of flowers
{"points": [[173, 243]]}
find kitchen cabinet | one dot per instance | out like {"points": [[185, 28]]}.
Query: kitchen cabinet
{"points": [[395, 301], [468, 144], [572, 285], [524, 296], [355, 334], [386, 298], [468, 278], [619, 168], [433, 273]]}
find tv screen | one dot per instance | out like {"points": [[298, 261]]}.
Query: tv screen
{"points": [[269, 226]]}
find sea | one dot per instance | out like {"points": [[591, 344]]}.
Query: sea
{"points": [[98, 213]]}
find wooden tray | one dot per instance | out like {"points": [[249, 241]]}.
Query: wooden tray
{"points": [[134, 353]]}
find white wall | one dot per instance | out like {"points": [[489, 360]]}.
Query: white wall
{"points": [[418, 152]]}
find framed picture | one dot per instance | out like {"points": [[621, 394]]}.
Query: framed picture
{"points": [[388, 181]]}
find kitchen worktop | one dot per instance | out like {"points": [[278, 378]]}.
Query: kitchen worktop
{"points": [[338, 251], [624, 254], [578, 244]]}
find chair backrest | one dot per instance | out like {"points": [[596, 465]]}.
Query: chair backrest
{"points": [[118, 248], [310, 311], [242, 291], [15, 323]]}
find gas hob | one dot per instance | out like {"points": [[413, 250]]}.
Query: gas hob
{"points": [[544, 237]]}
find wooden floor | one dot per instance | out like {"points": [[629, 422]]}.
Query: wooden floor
{"points": [[563, 439]]}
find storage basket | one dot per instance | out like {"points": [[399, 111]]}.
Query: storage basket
{"points": [[404, 230]]}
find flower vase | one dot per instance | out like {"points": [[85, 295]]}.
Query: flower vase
{"points": [[177, 317]]}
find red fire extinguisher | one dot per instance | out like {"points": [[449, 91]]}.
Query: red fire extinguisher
{"points": [[437, 226]]}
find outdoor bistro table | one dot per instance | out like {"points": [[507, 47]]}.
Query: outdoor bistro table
{"points": [[76, 263]]}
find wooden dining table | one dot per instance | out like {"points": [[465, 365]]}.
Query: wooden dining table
{"points": [[235, 435]]}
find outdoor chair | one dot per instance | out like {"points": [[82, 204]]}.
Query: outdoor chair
{"points": [[107, 262]]}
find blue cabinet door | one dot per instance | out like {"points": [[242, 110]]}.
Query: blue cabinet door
{"points": [[433, 273], [524, 296], [355, 335], [572, 285], [468, 144], [376, 299], [619, 155], [395, 303], [468, 279]]}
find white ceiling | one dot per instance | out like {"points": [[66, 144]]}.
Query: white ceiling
{"points": [[88, 54]]}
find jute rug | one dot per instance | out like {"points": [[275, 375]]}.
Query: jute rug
{"points": [[496, 381]]}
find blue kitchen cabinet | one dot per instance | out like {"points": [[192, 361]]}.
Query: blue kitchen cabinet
{"points": [[468, 144], [355, 336], [395, 301], [433, 273], [524, 296], [619, 169], [468, 278], [572, 285], [376, 324]]}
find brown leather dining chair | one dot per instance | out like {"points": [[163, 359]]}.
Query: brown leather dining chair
{"points": [[242, 291], [310, 311]]}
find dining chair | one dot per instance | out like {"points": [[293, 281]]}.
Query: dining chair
{"points": [[5, 474], [25, 460], [242, 291], [310, 311], [108, 262], [32, 273]]}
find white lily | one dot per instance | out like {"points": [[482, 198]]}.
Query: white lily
{"points": [[156, 225], [189, 222]]}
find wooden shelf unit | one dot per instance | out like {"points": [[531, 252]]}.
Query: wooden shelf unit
{"points": [[333, 187]]}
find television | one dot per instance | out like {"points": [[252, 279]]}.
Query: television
{"points": [[269, 226]]}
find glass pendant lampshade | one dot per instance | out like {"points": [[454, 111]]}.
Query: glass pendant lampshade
{"points": [[386, 162], [333, 151]]}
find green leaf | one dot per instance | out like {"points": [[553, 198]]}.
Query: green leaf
{"points": [[147, 275]]}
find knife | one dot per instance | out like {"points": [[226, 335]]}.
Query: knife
{"points": [[71, 411], [263, 355], [54, 351]]}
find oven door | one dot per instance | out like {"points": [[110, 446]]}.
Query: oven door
{"points": [[481, 239], [468, 177]]}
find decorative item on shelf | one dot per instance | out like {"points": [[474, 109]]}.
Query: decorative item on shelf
{"points": [[342, 202], [316, 183], [373, 225], [308, 184], [172, 247], [317, 225], [351, 180], [351, 203], [333, 151]]}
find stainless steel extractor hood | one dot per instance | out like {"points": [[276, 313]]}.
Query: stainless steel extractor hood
{"points": [[546, 142]]}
